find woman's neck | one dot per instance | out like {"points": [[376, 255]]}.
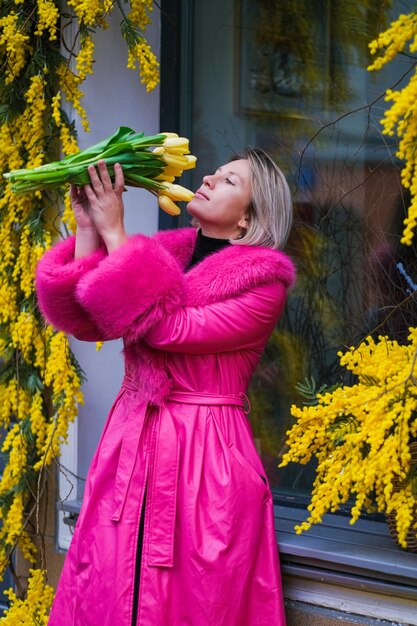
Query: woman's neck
{"points": [[205, 246]]}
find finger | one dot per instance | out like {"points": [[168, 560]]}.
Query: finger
{"points": [[73, 192], [104, 175], [96, 183], [81, 194], [89, 192], [119, 179]]}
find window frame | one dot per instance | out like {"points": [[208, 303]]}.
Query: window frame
{"points": [[349, 558]]}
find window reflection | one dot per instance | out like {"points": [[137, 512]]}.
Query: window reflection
{"points": [[291, 78]]}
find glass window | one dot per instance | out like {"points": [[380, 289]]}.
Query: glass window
{"points": [[291, 78]]}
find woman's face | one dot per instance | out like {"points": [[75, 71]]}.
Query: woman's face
{"points": [[221, 203]]}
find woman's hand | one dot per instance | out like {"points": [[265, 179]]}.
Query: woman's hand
{"points": [[87, 239], [80, 206], [105, 204]]}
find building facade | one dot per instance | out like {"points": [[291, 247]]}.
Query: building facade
{"points": [[290, 78]]}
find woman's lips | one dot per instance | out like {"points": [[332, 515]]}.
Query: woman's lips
{"points": [[200, 194]]}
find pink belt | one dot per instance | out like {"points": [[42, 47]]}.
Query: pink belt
{"points": [[208, 399], [162, 490]]}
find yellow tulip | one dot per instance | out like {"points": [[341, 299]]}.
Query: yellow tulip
{"points": [[168, 206], [164, 178], [175, 160], [178, 150], [177, 192], [172, 171], [180, 162], [176, 143], [191, 161]]}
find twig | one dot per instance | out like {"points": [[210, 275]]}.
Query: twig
{"points": [[351, 112]]}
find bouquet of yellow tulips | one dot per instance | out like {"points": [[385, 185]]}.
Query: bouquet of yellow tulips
{"points": [[152, 162]]}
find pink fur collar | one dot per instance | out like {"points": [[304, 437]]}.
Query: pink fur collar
{"points": [[226, 273]]}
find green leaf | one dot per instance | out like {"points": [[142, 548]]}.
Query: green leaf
{"points": [[34, 383], [308, 390], [121, 135], [4, 113], [370, 381], [8, 371]]}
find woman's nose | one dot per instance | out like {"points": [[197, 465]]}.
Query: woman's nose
{"points": [[208, 180]]}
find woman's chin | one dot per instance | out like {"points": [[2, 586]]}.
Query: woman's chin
{"points": [[192, 209]]}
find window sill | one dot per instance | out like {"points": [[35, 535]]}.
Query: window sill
{"points": [[355, 568], [364, 550]]}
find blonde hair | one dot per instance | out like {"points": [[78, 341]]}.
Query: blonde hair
{"points": [[270, 212]]}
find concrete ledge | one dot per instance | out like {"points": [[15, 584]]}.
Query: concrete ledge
{"points": [[303, 614]]}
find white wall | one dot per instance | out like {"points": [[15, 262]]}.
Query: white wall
{"points": [[114, 97]]}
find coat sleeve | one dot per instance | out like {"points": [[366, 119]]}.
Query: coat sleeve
{"points": [[57, 276], [243, 322], [132, 289]]}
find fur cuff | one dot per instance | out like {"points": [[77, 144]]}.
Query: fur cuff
{"points": [[132, 288], [57, 275]]}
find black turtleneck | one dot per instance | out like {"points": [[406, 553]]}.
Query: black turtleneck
{"points": [[205, 246]]}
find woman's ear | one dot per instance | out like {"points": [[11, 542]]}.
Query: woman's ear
{"points": [[244, 222]]}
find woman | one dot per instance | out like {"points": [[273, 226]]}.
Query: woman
{"points": [[176, 526]]}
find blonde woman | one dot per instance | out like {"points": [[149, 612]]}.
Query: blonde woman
{"points": [[176, 527]]}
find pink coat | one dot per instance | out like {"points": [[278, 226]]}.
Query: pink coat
{"points": [[177, 449]]}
